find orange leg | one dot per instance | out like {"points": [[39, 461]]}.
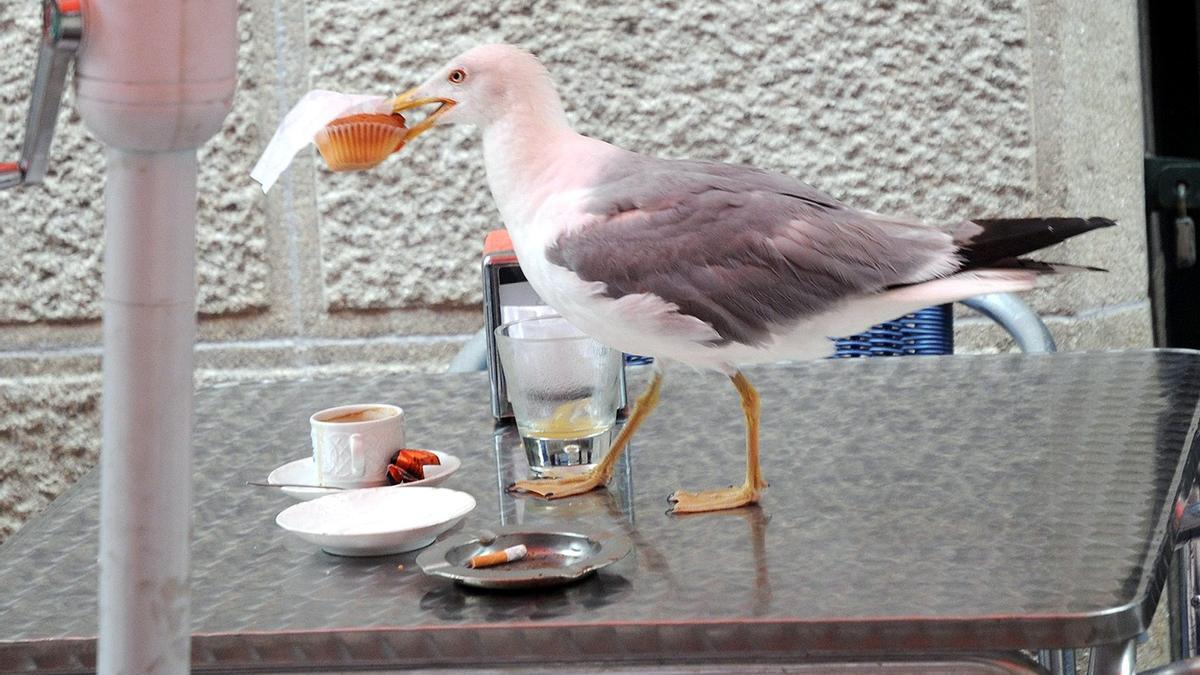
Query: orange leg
{"points": [[556, 487], [750, 491]]}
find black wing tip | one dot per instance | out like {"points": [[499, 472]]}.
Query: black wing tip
{"points": [[984, 242], [1084, 224], [1097, 222], [1060, 268], [1042, 266]]}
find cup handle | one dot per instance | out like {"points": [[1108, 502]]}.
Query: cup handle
{"points": [[358, 455]]}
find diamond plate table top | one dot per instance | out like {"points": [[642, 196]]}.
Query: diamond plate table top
{"points": [[934, 503]]}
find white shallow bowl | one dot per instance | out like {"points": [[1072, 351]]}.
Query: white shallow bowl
{"points": [[376, 521], [304, 472]]}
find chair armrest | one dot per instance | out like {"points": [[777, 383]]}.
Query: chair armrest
{"points": [[1016, 317], [472, 356], [1177, 668]]}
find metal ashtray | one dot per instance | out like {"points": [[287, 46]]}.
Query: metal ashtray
{"points": [[555, 556]]}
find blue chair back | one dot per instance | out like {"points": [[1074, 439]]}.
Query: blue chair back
{"points": [[929, 331]]}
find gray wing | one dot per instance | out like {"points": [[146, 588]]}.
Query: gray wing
{"points": [[741, 249]]}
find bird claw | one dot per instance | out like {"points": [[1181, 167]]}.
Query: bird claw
{"points": [[713, 500], [557, 487], [529, 487]]}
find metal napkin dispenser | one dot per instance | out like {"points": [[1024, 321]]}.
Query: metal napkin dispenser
{"points": [[507, 296]]}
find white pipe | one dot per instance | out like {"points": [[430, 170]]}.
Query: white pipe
{"points": [[155, 80], [145, 461]]}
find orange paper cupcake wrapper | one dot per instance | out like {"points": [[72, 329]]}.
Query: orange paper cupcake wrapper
{"points": [[356, 145]]}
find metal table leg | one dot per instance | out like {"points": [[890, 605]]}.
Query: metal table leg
{"points": [[1179, 603], [1182, 583], [1114, 659]]}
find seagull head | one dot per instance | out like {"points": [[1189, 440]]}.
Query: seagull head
{"points": [[482, 86]]}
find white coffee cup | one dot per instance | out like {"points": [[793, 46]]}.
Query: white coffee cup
{"points": [[353, 444]]}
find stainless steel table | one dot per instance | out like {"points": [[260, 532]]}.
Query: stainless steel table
{"points": [[916, 505]]}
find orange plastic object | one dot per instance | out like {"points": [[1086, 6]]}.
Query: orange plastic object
{"points": [[68, 6], [360, 142], [9, 166], [497, 241]]}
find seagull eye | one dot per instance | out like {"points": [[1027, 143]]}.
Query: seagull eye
{"points": [[457, 76]]}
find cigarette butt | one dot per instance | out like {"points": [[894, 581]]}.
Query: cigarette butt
{"points": [[400, 568], [498, 557]]}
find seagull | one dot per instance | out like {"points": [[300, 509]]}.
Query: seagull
{"points": [[716, 266]]}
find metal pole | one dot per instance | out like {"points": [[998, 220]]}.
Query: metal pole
{"points": [[155, 81], [145, 458], [1179, 602], [1114, 659]]}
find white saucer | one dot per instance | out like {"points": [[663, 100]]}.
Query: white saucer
{"points": [[376, 521], [303, 472]]}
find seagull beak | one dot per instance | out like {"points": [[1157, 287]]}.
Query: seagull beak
{"points": [[409, 100]]}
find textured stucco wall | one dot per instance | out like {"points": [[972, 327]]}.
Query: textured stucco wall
{"points": [[941, 109], [912, 107]]}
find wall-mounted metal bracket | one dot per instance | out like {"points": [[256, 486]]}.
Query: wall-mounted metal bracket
{"points": [[62, 29], [1173, 187], [1163, 176], [10, 175]]}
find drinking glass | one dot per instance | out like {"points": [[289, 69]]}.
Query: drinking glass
{"points": [[564, 390]]}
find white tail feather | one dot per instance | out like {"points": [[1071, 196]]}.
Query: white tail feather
{"points": [[965, 285], [859, 315]]}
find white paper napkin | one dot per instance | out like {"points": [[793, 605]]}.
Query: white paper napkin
{"points": [[310, 114]]}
